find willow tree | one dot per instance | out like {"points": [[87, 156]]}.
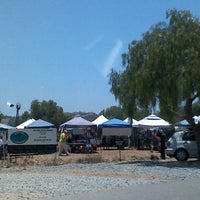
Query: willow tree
{"points": [[163, 68]]}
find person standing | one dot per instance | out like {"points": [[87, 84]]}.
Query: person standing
{"points": [[161, 134], [152, 139], [62, 145]]}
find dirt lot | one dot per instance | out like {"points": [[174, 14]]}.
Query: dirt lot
{"points": [[101, 155]]}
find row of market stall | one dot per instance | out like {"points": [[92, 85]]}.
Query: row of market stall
{"points": [[42, 137]]}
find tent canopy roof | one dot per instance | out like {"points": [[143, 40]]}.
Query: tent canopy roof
{"points": [[78, 122], [134, 122], [153, 120], [115, 123], [40, 124], [4, 126], [99, 120], [26, 123], [183, 122]]}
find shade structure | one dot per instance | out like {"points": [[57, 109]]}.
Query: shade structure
{"points": [[78, 122], [5, 127], [99, 120], [3, 134], [134, 122], [26, 123], [115, 123], [40, 124], [116, 127], [183, 122], [153, 121], [196, 119]]}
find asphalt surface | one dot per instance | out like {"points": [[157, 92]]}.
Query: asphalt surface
{"points": [[179, 190]]}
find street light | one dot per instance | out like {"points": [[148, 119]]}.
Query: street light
{"points": [[18, 106], [10, 104]]}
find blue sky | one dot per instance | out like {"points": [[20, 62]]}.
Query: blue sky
{"points": [[62, 50]]}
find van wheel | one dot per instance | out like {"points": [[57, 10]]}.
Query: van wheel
{"points": [[181, 155]]}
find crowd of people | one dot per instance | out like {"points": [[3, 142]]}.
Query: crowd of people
{"points": [[151, 139]]}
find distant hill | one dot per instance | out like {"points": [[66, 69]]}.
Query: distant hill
{"points": [[90, 116], [7, 119]]}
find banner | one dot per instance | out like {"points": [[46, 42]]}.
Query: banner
{"points": [[34, 136]]}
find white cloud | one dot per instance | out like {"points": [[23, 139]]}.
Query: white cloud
{"points": [[92, 44], [113, 55]]}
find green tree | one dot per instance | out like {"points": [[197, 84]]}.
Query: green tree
{"points": [[36, 109], [48, 111], [196, 109], [1, 116], [163, 69], [25, 116], [113, 112]]}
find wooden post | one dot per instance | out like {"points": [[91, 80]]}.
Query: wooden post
{"points": [[120, 155]]}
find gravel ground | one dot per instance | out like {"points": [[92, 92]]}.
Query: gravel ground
{"points": [[52, 182]]}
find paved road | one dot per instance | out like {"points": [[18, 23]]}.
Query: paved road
{"points": [[180, 190]]}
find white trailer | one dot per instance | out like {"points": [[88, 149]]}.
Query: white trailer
{"points": [[32, 140]]}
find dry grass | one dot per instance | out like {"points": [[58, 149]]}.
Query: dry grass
{"points": [[100, 156]]}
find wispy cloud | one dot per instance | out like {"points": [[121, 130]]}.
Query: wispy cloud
{"points": [[93, 43], [113, 55]]}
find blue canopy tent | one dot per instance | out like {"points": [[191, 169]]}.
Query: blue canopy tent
{"points": [[116, 127], [115, 123], [182, 125], [183, 122], [40, 124]]}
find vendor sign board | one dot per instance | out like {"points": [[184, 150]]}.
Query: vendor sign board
{"points": [[34, 136]]}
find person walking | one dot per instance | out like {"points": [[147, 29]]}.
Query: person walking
{"points": [[62, 145]]}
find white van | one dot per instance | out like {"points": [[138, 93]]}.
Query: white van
{"points": [[182, 145]]}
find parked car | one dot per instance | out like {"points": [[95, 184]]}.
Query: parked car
{"points": [[182, 145]]}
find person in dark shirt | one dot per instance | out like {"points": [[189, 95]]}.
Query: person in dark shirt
{"points": [[161, 135]]}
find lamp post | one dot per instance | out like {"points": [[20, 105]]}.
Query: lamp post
{"points": [[18, 106]]}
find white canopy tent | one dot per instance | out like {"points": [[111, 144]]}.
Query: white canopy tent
{"points": [[153, 121], [100, 120], [26, 123], [134, 122], [196, 119]]}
